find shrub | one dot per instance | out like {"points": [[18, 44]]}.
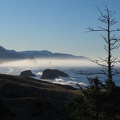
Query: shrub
{"points": [[96, 103]]}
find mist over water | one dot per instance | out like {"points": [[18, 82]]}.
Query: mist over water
{"points": [[48, 63], [16, 66], [69, 66]]}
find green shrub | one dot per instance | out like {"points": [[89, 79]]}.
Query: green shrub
{"points": [[96, 103]]}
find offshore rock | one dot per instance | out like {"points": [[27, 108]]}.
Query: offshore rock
{"points": [[27, 73], [53, 73]]}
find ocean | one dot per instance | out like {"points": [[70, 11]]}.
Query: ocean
{"points": [[74, 68]]}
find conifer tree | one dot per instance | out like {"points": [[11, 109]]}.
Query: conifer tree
{"points": [[95, 103]]}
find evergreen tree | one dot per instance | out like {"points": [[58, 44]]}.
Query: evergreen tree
{"points": [[95, 103]]}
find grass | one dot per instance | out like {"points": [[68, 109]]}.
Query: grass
{"points": [[30, 99]]}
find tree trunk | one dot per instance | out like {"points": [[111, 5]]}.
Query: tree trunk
{"points": [[109, 53]]}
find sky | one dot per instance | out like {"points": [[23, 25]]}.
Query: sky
{"points": [[59, 26]]}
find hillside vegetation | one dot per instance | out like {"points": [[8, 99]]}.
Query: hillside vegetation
{"points": [[24, 98]]}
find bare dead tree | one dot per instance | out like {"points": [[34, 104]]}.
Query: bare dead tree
{"points": [[111, 41]]}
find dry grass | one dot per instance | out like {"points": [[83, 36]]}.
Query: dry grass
{"points": [[30, 99]]}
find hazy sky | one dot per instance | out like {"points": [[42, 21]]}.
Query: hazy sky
{"points": [[54, 25]]}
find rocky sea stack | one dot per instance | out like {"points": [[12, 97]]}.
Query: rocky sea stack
{"points": [[27, 73], [53, 73]]}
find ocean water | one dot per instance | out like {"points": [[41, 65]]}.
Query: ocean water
{"points": [[72, 67]]}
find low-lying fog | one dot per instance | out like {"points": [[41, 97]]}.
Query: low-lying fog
{"points": [[47, 63], [70, 66]]}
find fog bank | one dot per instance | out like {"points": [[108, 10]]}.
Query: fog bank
{"points": [[47, 63]]}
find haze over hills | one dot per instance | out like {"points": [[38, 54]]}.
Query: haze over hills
{"points": [[9, 54], [12, 54]]}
